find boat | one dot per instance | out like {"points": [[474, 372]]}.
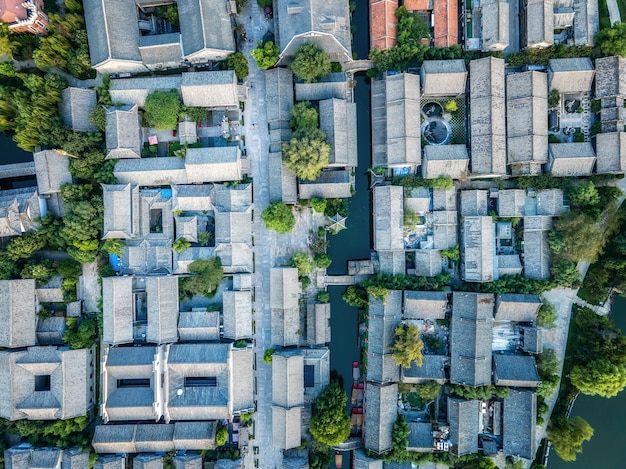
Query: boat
{"points": [[338, 459], [356, 372], [357, 394]]}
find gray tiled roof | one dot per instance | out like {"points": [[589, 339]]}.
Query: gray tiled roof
{"points": [[381, 414], [537, 255], [421, 437], [539, 23], [508, 264], [532, 339], [428, 262], [519, 424], [68, 393], [287, 380], [213, 164], [121, 211], [233, 199], [325, 23], [191, 198], [338, 122], [242, 369], [148, 461], [329, 185], [443, 77], [445, 160], [571, 159], [213, 89], [392, 262], [487, 119], [611, 152], [527, 121], [278, 94], [550, 202], [571, 75], [237, 314], [17, 313], [76, 107], [117, 322], [160, 50], [133, 91], [123, 135], [517, 307], [111, 461], [318, 324], [198, 325], [19, 208], [73, 458], [233, 227], [113, 35], [388, 218], [610, 76], [478, 263], [463, 417], [396, 138], [286, 427], [470, 338], [154, 437], [432, 369], [511, 202], [52, 170], [362, 461], [519, 371], [333, 85], [494, 22], [284, 303], [162, 306], [473, 203], [425, 304], [187, 461], [206, 30]]}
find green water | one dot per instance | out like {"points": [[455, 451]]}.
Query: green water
{"points": [[607, 448]]}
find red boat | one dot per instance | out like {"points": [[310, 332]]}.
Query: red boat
{"points": [[338, 459], [356, 372]]}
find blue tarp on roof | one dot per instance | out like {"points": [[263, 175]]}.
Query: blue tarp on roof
{"points": [[114, 260], [166, 193]]}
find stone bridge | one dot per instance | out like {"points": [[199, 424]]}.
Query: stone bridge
{"points": [[358, 66]]}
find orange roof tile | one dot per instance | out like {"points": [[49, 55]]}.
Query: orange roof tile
{"points": [[446, 18], [416, 5], [383, 23]]}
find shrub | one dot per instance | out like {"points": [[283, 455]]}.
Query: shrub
{"points": [[180, 245], [322, 261], [267, 356], [221, 436], [319, 205], [279, 217], [310, 63], [162, 109], [265, 54], [239, 64], [323, 297]]}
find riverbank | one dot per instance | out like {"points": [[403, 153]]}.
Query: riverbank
{"points": [[606, 449]]}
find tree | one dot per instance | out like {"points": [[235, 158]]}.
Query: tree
{"points": [[410, 218], [113, 246], [265, 54], [180, 245], [302, 261], [206, 276], [322, 261], [329, 423], [310, 63], [377, 292], [565, 273], [86, 165], [454, 254], [428, 390], [547, 315], [568, 438], [279, 217], [355, 296], [194, 113], [576, 237], [82, 336], [22, 247], [319, 206], [304, 116], [599, 377], [306, 154], [612, 41], [407, 346], [267, 356], [221, 436], [584, 195], [98, 118], [42, 271], [162, 109], [323, 297], [239, 64], [554, 98]]}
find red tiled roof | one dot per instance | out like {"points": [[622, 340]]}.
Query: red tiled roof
{"points": [[12, 11], [383, 23], [446, 16], [416, 5]]}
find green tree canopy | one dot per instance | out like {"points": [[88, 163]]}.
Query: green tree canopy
{"points": [[162, 109], [356, 296], [83, 335], [41, 270], [304, 116], [302, 261], [567, 439], [599, 377], [428, 390], [322, 261], [306, 154], [86, 165], [206, 275], [612, 41], [407, 346], [330, 424], [279, 217], [239, 64], [310, 63], [576, 237], [265, 54]]}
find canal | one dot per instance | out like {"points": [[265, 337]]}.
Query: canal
{"points": [[10, 153], [606, 450], [353, 242]]}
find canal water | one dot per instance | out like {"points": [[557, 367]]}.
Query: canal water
{"points": [[10, 153], [607, 448]]}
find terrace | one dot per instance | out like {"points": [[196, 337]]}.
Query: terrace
{"points": [[443, 121]]}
